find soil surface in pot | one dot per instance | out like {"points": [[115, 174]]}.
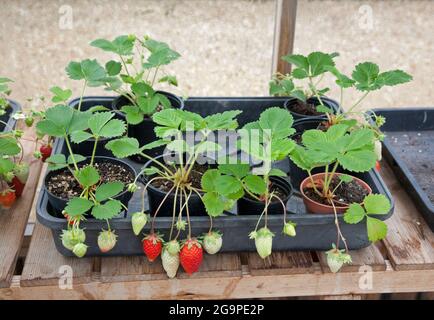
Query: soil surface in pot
{"points": [[305, 108], [346, 193], [195, 179], [278, 191], [65, 186]]}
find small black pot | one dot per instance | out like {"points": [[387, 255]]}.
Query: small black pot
{"points": [[144, 131], [59, 204], [85, 148], [332, 104], [156, 197], [247, 206]]}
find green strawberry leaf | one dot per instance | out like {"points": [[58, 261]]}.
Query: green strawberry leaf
{"points": [[179, 146], [113, 68], [108, 210], [56, 161], [227, 185], [274, 172], [88, 70], [108, 190], [208, 180], [365, 75], [377, 204], [123, 147], [60, 95], [168, 118], [80, 136], [9, 146], [214, 204], [393, 78], [222, 121], [78, 206], [133, 114], [354, 214], [122, 45], [278, 120], [318, 62], [377, 229], [239, 170], [358, 161], [170, 80], [255, 184], [88, 176]]}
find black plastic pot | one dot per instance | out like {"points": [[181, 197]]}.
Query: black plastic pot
{"points": [[332, 104], [314, 231], [7, 117], [58, 204], [409, 149], [156, 197], [144, 131], [86, 147], [248, 206]]}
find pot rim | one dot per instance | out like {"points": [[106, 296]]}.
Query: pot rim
{"points": [[360, 181], [280, 179], [51, 172], [329, 102]]}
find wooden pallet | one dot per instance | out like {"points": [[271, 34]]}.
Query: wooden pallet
{"points": [[396, 265]]}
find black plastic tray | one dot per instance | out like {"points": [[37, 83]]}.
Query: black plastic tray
{"points": [[7, 117], [409, 149], [314, 231]]}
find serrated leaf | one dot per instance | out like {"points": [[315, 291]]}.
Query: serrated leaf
{"points": [[155, 144], [170, 80], [6, 166], [354, 214], [108, 190], [98, 121], [60, 115], [108, 210], [80, 136], [314, 139], [226, 185], [208, 179], [239, 170], [167, 118], [179, 146], [56, 161], [79, 121], [122, 45], [88, 70], [298, 60], [336, 131], [377, 229], [113, 68], [359, 138], [78, 206], [213, 204], [318, 62], [123, 147], [341, 79], [9, 146], [224, 120], [60, 95], [5, 80], [377, 204], [113, 128], [299, 94], [78, 158], [392, 78], [255, 184], [365, 75], [278, 120], [88, 176], [133, 114], [142, 89], [358, 161], [49, 128], [148, 105], [345, 178]]}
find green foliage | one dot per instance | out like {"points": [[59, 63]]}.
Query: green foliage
{"points": [[9, 146], [60, 95], [373, 204], [122, 45], [315, 64], [88, 70], [123, 147], [59, 161]]}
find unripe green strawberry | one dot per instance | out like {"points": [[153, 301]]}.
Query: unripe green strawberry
{"points": [[80, 250], [71, 237], [132, 187], [107, 240], [263, 241], [29, 121], [289, 229], [212, 242], [37, 154], [138, 221], [170, 263], [173, 247], [337, 258]]}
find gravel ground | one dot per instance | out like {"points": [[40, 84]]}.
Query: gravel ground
{"points": [[226, 46]]}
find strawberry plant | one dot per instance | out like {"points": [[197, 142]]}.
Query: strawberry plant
{"points": [[96, 196], [5, 91], [136, 72], [172, 125]]}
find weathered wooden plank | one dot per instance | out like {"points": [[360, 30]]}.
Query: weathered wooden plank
{"points": [[286, 11], [13, 222], [280, 263], [45, 266], [246, 286], [370, 256], [409, 242], [115, 269]]}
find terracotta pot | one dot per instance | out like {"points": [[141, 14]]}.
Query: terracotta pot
{"points": [[316, 207]]}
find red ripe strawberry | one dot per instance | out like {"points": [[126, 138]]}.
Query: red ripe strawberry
{"points": [[45, 150], [7, 198], [17, 185], [152, 245], [191, 256]]}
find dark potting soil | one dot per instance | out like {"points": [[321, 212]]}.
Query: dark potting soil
{"points": [[345, 194], [195, 178], [65, 186], [305, 108], [415, 148]]}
